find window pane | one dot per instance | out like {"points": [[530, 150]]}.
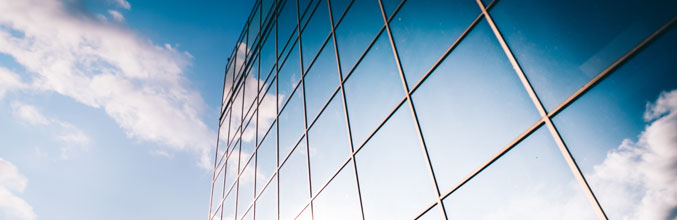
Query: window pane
{"points": [[217, 192], [623, 136], [338, 7], [294, 191], [321, 81], [329, 143], [373, 91], [360, 25], [394, 178], [228, 210], [561, 45], [286, 23], [472, 106], [266, 113], [267, 55], [391, 5], [266, 159], [266, 205], [291, 124], [422, 38], [433, 214], [315, 32], [531, 181], [289, 76], [340, 199], [246, 188]]}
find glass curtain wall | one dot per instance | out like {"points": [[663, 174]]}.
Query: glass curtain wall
{"points": [[450, 109]]}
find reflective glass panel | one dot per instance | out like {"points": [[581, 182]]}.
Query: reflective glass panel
{"points": [[315, 32], [294, 187], [329, 143], [289, 76], [291, 124], [245, 193], [373, 90], [266, 205], [321, 81], [286, 23], [338, 7], [561, 45], [472, 106], [623, 134], [340, 199], [394, 178], [422, 38], [266, 162], [433, 214], [531, 181], [358, 28]]}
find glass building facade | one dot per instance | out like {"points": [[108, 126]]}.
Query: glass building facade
{"points": [[450, 109]]}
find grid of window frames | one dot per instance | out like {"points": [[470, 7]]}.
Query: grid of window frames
{"points": [[389, 109]]}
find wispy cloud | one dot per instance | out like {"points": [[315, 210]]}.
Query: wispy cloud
{"points": [[117, 16], [139, 84], [73, 138], [12, 182], [123, 3], [9, 81]]}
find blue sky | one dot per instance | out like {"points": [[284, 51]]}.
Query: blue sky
{"points": [[108, 108]]}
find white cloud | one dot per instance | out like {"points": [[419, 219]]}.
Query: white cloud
{"points": [[9, 81], [267, 108], [29, 114], [68, 133], [12, 182], [139, 84], [123, 3], [643, 173], [117, 16]]}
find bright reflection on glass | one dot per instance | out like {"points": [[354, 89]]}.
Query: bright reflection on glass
{"points": [[472, 106], [561, 45], [623, 135], [329, 144], [340, 199], [294, 187], [531, 181], [394, 178], [373, 90], [422, 38]]}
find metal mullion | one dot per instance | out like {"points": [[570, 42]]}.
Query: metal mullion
{"points": [[258, 110], [303, 98], [412, 108], [486, 164], [277, 110], [551, 127], [345, 105]]}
